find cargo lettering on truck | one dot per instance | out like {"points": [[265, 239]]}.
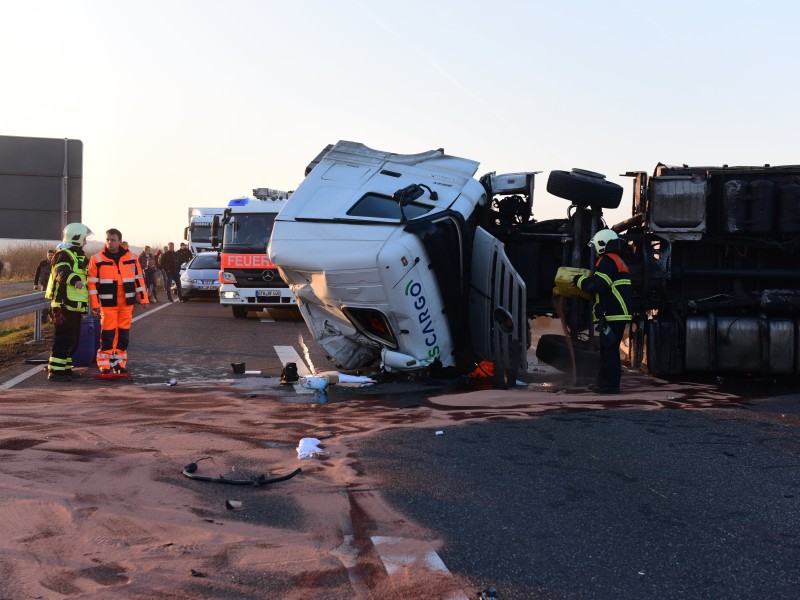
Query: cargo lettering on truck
{"points": [[414, 290], [246, 261]]}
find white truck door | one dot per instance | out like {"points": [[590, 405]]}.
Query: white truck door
{"points": [[497, 319]]}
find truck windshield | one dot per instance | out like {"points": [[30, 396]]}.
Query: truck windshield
{"points": [[383, 207], [201, 233], [247, 232]]}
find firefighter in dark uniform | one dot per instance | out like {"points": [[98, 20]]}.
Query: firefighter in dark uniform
{"points": [[611, 286], [68, 293]]}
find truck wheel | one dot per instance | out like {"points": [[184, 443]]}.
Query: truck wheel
{"points": [[240, 312], [552, 350], [584, 188]]}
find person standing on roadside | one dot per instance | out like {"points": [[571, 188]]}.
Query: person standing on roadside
{"points": [[115, 284], [172, 268], [144, 256], [42, 277], [184, 254], [150, 280], [162, 273], [611, 285], [69, 300]]}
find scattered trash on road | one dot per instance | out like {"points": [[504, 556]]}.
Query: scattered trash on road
{"points": [[233, 504], [190, 471], [308, 448], [489, 593], [440, 432], [321, 381], [344, 378], [238, 368], [315, 383], [172, 381], [289, 373]]}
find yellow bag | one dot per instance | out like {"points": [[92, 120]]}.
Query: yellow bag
{"points": [[564, 287]]}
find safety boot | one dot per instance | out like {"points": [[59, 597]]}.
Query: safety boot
{"points": [[58, 376]]}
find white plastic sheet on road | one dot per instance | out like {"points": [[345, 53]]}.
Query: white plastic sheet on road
{"points": [[308, 448]]}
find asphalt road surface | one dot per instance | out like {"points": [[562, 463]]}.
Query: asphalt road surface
{"points": [[609, 505], [571, 504]]}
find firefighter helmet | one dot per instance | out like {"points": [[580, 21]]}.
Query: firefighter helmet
{"points": [[601, 238], [75, 234]]}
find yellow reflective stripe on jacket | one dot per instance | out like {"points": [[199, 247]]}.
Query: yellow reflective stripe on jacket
{"points": [[626, 315]]}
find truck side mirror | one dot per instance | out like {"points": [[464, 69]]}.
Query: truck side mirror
{"points": [[405, 196], [215, 231]]}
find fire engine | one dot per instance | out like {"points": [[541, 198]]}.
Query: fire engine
{"points": [[249, 280]]}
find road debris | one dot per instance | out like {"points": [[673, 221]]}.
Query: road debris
{"points": [[190, 471], [308, 448]]}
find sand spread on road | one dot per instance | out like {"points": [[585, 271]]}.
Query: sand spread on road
{"points": [[93, 502]]}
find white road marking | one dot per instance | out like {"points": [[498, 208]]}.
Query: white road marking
{"points": [[150, 311], [20, 378], [394, 559], [289, 354], [28, 374], [306, 352]]}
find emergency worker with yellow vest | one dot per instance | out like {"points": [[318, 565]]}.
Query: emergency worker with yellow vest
{"points": [[69, 300], [611, 285], [115, 283]]}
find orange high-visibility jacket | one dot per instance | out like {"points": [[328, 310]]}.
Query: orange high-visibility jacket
{"points": [[115, 284]]}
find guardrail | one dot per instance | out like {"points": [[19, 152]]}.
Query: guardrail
{"points": [[23, 305]]}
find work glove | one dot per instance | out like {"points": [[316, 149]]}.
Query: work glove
{"points": [[58, 316]]}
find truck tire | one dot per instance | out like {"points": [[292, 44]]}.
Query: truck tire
{"points": [[552, 350], [240, 312], [585, 188]]}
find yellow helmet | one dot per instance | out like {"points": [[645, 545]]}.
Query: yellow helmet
{"points": [[75, 234], [601, 238]]}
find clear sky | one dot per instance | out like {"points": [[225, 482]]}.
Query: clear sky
{"points": [[193, 102]]}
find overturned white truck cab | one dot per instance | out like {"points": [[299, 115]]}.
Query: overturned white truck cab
{"points": [[388, 262]]}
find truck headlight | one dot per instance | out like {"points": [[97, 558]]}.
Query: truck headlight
{"points": [[227, 277], [373, 324]]}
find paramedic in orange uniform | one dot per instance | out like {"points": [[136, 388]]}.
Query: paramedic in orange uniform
{"points": [[115, 282]]}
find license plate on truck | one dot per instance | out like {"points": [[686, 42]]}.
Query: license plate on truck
{"points": [[267, 293]]}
